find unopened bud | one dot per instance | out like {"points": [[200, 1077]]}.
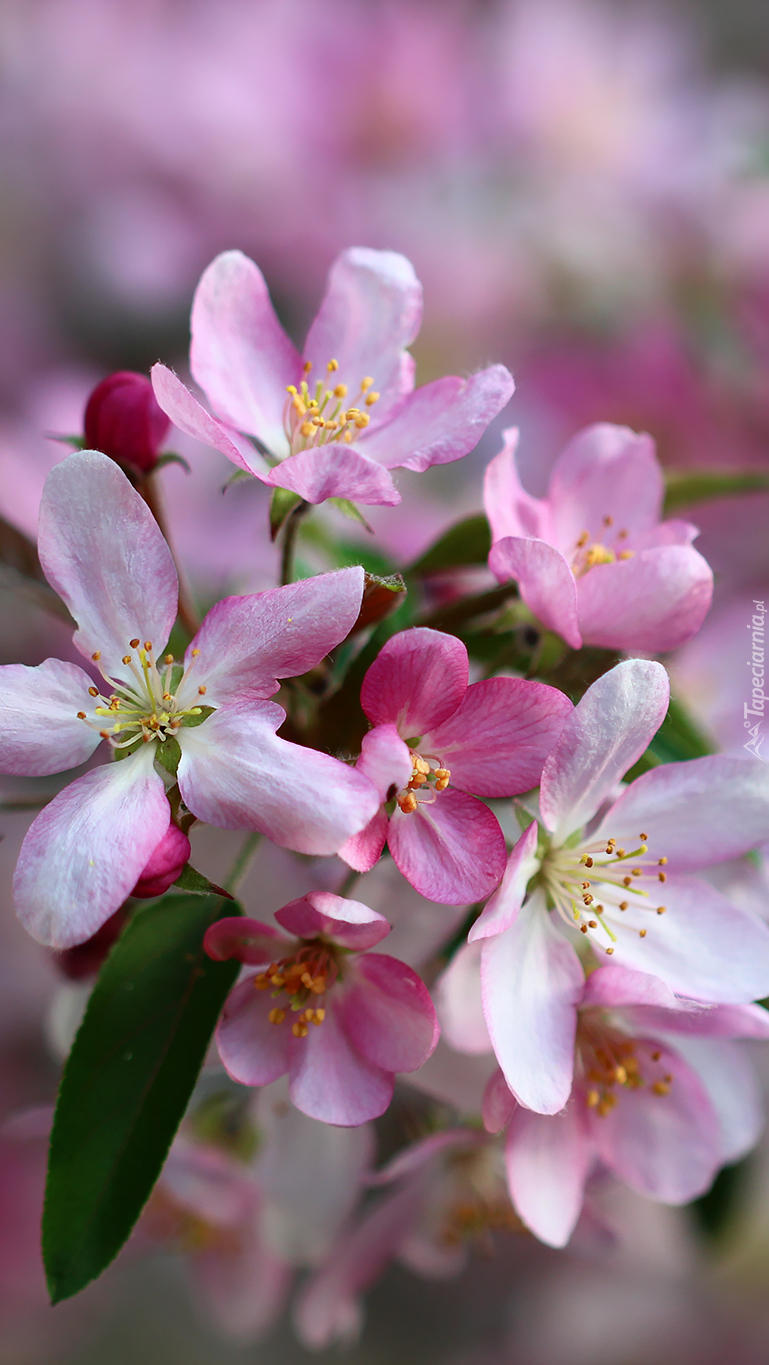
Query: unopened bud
{"points": [[123, 419], [164, 865]]}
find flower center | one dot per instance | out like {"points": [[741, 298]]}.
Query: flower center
{"points": [[428, 778], [300, 982], [618, 880], [589, 551], [152, 705], [315, 419], [609, 1061]]}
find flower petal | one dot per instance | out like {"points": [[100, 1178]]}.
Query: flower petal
{"points": [[532, 982], [387, 1014], [548, 1160], [497, 740], [103, 552], [350, 923], [603, 737], [371, 310], [39, 728], [416, 682], [510, 509], [385, 760], [618, 987], [502, 909], [239, 354], [248, 940], [605, 471], [460, 1003], [728, 1076], [655, 601], [253, 1050], [329, 1080], [247, 643], [363, 850], [441, 421], [546, 582], [499, 1103], [236, 773], [451, 851], [190, 416], [86, 850], [697, 813], [336, 471], [664, 1146]]}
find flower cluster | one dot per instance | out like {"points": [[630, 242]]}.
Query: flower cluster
{"points": [[551, 876]]}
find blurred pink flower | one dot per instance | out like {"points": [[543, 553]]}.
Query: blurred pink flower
{"points": [[593, 561], [359, 1017]]}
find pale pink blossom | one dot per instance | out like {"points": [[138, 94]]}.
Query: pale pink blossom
{"points": [[103, 553], [436, 746], [601, 875], [662, 1098], [592, 560], [345, 1020], [334, 421]]}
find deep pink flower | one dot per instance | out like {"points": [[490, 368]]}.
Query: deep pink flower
{"points": [[164, 864], [358, 1017], [103, 553], [619, 888], [336, 420], [593, 560], [661, 1098], [123, 420], [434, 742]]}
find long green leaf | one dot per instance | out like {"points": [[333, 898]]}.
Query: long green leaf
{"points": [[127, 1083], [687, 486], [467, 542]]}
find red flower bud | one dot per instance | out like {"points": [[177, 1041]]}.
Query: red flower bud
{"points": [[123, 420], [165, 864]]}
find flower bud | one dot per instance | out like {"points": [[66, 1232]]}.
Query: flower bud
{"points": [[85, 959], [123, 420], [165, 863]]}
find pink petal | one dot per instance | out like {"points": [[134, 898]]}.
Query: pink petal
{"points": [[385, 760], [253, 1050], [331, 1081], [532, 982], [440, 422], [39, 728], [697, 813], [349, 923], [103, 552], [616, 987], [503, 908], [248, 940], [460, 1004], [416, 682], [189, 416], [715, 1021], [363, 850], [242, 1283], [663, 1146], [452, 850], [604, 471], [496, 742], [732, 1087], [336, 471], [240, 355], [371, 310], [655, 601], [236, 773], [548, 1160], [387, 1014], [546, 582], [603, 737], [499, 1103], [247, 643], [85, 851], [510, 509], [703, 946]]}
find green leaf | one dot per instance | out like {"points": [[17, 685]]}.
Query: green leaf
{"points": [[237, 476], [127, 1083], [348, 509], [168, 755], [686, 486], [468, 542], [203, 712], [282, 505], [191, 880], [170, 457]]}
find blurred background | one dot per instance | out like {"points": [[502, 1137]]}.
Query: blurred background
{"points": [[583, 187]]}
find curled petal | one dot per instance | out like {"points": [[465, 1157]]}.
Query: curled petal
{"points": [[441, 421], [40, 731], [248, 940], [349, 923], [190, 416], [546, 582], [363, 850], [499, 1103], [502, 909], [510, 509], [336, 471], [452, 850], [416, 682]]}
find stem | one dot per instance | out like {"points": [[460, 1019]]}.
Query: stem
{"points": [[289, 542], [348, 882], [242, 863], [153, 496]]}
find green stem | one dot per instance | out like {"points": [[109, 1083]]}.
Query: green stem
{"points": [[293, 521], [242, 863], [348, 882]]}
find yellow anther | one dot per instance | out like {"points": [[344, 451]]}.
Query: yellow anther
{"points": [[593, 923], [195, 653], [592, 1098], [306, 429], [620, 1075], [93, 691], [276, 1016], [104, 734], [167, 696], [642, 933], [441, 784], [81, 715], [588, 899], [408, 803], [332, 366], [126, 658], [662, 876], [148, 645], [583, 928], [661, 909], [307, 366], [661, 862], [96, 656], [655, 1056], [623, 905], [300, 1030], [318, 1016], [371, 399], [169, 658], [609, 952], [661, 1088], [608, 521], [291, 388], [134, 644], [626, 554], [202, 690], [366, 383], [340, 391], [362, 421]]}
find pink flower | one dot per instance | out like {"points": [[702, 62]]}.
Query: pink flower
{"points": [[661, 1098], [334, 422], [103, 553], [358, 1017], [622, 887], [122, 419], [592, 559], [164, 864], [435, 740]]}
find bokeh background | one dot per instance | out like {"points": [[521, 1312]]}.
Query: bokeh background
{"points": [[583, 187]]}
